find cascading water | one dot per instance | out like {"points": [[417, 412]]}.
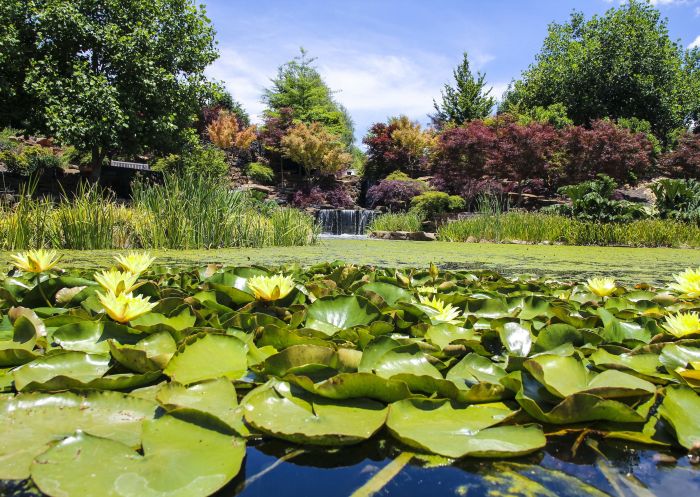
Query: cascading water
{"points": [[344, 221]]}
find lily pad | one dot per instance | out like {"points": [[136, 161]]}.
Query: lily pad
{"points": [[180, 459], [206, 357], [680, 408], [332, 314], [297, 416]]}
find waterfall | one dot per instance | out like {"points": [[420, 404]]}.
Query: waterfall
{"points": [[344, 221]]}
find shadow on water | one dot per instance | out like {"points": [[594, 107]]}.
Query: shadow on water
{"points": [[615, 469]]}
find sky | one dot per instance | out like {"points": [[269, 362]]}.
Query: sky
{"points": [[391, 57]]}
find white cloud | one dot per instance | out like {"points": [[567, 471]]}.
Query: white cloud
{"points": [[695, 44]]}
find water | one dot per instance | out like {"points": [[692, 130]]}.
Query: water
{"points": [[344, 221]]}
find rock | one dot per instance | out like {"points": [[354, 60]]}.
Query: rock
{"points": [[416, 236], [471, 239], [260, 188], [422, 236]]}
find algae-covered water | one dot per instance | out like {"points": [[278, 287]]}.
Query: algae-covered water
{"points": [[630, 265]]}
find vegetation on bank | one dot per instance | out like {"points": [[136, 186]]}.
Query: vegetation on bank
{"points": [[166, 376], [183, 212], [535, 227]]}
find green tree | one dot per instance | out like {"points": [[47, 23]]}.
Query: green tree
{"points": [[467, 100], [112, 76], [619, 65], [300, 87]]}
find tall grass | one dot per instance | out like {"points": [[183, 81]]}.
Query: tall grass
{"points": [[181, 213], [537, 228], [402, 221]]}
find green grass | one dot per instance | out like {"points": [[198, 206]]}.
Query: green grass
{"points": [[537, 228], [631, 265], [406, 221]]}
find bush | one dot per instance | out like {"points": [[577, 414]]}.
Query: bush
{"points": [[684, 161], [395, 194], [606, 148], [405, 221], [334, 196], [6, 141], [205, 160], [27, 160], [261, 173], [678, 199], [593, 201], [431, 204]]}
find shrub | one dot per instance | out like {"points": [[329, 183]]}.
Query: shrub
{"points": [[262, 173], [684, 161], [606, 148], [315, 149], [593, 201], [205, 160], [6, 138], [27, 160], [394, 194], [678, 199], [404, 221], [462, 155], [334, 196], [431, 204]]}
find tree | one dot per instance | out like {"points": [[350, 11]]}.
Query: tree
{"points": [[115, 75], [299, 86], [397, 145], [466, 101], [315, 149], [619, 65]]}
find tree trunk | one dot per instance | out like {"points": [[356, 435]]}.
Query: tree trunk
{"points": [[96, 164]]}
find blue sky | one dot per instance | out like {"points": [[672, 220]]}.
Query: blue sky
{"points": [[390, 57]]}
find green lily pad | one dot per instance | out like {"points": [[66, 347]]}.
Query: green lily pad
{"points": [[297, 416], [332, 314], [206, 357], [151, 353], [391, 294], [680, 408], [31, 422], [152, 321], [354, 386], [61, 369], [180, 459], [453, 430]]}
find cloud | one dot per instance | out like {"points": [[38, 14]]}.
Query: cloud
{"points": [[695, 44]]}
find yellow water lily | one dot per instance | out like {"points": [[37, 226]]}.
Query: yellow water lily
{"points": [[35, 261], [688, 283], [682, 324], [135, 262], [439, 310], [602, 287], [270, 288], [125, 306], [118, 282]]}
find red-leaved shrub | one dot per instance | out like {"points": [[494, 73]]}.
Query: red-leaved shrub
{"points": [[394, 194], [684, 161]]}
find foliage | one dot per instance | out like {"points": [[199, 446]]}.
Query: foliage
{"points": [[260, 173], [196, 159], [466, 101], [431, 204], [606, 148], [27, 160], [315, 149], [226, 133], [172, 396], [549, 228], [554, 114], [619, 65], [6, 138], [395, 194], [113, 75], [594, 201], [299, 87], [398, 145], [684, 161], [327, 195], [397, 221], [678, 199]]}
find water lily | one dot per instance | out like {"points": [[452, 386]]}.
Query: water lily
{"points": [[125, 306], [118, 282], [35, 261], [683, 324], [270, 288], [688, 283], [439, 310], [602, 287], [135, 262]]}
